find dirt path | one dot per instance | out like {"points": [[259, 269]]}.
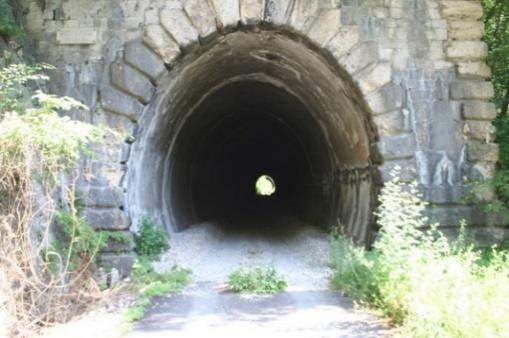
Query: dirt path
{"points": [[305, 314], [298, 252]]}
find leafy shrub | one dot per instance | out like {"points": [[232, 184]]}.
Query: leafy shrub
{"points": [[259, 280], [151, 240], [8, 25], [431, 287], [76, 246]]}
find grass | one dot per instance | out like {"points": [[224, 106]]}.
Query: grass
{"points": [[258, 280], [429, 286], [150, 284]]}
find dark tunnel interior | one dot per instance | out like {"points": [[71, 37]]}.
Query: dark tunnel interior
{"points": [[245, 130], [251, 104]]}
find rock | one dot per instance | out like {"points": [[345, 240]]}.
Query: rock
{"points": [[143, 59]]}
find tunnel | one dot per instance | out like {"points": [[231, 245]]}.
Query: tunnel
{"points": [[247, 104]]}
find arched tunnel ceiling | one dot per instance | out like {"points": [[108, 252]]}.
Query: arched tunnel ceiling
{"points": [[246, 98]]}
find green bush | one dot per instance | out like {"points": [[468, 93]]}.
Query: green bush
{"points": [[152, 240], [76, 245], [431, 287], [259, 280], [8, 25]]}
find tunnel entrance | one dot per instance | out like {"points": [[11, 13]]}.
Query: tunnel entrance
{"points": [[247, 104]]}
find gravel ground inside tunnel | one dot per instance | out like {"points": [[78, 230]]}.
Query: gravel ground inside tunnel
{"points": [[299, 252]]}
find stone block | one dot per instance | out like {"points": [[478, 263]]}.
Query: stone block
{"points": [[176, 22], [345, 38], [119, 241], [120, 103], [447, 216], [325, 26], [77, 36], [161, 43], [465, 30], [443, 194], [143, 59], [486, 152], [102, 197], [304, 14], [131, 81], [107, 219], [462, 9], [360, 57], [473, 70], [482, 131], [397, 147], [125, 153], [482, 171], [478, 110], [123, 263], [467, 90], [389, 98], [201, 15], [276, 11], [375, 78], [393, 123], [227, 12], [252, 11], [467, 50]]}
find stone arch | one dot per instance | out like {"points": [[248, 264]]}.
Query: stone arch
{"points": [[177, 74]]}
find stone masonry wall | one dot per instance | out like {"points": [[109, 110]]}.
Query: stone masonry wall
{"points": [[419, 63]]}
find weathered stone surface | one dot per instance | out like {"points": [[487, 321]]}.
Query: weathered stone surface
{"points": [[325, 26], [123, 263], [393, 123], [467, 50], [130, 80], [477, 151], [304, 14], [478, 110], [107, 219], [465, 30], [77, 36], [277, 11], [161, 43], [397, 147], [117, 102], [483, 131], [359, 57], [143, 59], [227, 12], [375, 78], [101, 197], [126, 152], [447, 216], [389, 98], [251, 11], [466, 90], [343, 41], [202, 16], [473, 70], [443, 194], [482, 171], [176, 23], [462, 9]]}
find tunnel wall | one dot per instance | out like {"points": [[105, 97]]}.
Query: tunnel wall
{"points": [[419, 65]]}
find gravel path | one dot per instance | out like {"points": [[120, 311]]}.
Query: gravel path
{"points": [[298, 252]]}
